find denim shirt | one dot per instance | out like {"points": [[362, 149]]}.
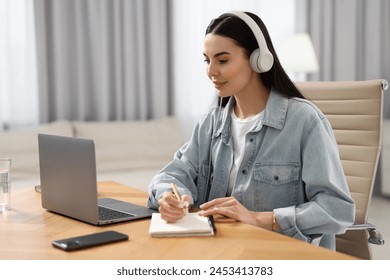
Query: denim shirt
{"points": [[291, 166]]}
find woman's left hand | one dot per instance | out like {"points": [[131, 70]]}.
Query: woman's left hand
{"points": [[229, 207]]}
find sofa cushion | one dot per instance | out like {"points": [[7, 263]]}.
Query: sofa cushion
{"points": [[136, 178], [126, 145], [22, 148]]}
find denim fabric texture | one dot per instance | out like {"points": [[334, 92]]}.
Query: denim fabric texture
{"points": [[291, 166]]}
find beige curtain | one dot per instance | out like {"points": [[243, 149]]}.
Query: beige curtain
{"points": [[352, 41], [18, 69], [351, 38], [102, 60]]}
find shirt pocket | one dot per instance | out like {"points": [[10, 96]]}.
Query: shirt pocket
{"points": [[276, 185]]}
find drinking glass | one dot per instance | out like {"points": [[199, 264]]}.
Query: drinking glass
{"points": [[5, 184]]}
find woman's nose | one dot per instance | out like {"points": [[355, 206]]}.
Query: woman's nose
{"points": [[212, 70]]}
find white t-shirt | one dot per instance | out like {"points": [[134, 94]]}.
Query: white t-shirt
{"points": [[240, 128]]}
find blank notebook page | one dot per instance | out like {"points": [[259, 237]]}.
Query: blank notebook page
{"points": [[190, 225]]}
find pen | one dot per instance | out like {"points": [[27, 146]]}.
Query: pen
{"points": [[178, 197]]}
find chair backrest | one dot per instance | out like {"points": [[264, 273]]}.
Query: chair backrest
{"points": [[354, 110]]}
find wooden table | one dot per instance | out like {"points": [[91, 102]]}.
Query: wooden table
{"points": [[26, 232]]}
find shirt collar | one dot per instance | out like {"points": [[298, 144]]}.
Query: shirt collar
{"points": [[276, 110], [274, 114]]}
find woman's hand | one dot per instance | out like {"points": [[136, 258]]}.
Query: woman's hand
{"points": [[171, 209], [229, 207], [232, 208]]}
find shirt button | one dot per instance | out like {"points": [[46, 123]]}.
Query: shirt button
{"points": [[251, 140], [243, 172], [276, 178]]}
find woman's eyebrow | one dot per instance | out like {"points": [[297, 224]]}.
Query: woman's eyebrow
{"points": [[218, 54]]}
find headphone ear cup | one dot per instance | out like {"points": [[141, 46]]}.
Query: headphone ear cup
{"points": [[261, 64], [254, 60], [267, 60]]}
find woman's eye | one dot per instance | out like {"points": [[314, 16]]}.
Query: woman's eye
{"points": [[220, 61]]}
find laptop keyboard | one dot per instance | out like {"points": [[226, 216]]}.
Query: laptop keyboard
{"points": [[106, 214]]}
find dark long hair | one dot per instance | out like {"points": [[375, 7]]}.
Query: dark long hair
{"points": [[233, 27]]}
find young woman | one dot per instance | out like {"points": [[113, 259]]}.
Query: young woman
{"points": [[265, 156]]}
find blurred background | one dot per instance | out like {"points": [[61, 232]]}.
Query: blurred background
{"points": [[142, 59]]}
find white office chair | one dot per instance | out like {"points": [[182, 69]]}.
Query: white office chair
{"points": [[354, 110]]}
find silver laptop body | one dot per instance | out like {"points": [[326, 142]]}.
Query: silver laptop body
{"points": [[68, 182]]}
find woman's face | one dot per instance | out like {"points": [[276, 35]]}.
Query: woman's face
{"points": [[227, 65]]}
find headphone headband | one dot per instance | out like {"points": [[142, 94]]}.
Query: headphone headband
{"points": [[261, 59]]}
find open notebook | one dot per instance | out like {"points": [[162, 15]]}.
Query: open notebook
{"points": [[190, 225]]}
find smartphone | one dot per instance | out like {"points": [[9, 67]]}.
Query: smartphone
{"points": [[85, 241]]}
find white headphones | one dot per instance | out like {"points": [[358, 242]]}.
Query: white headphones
{"points": [[261, 59]]}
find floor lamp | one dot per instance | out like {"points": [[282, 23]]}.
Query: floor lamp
{"points": [[298, 57]]}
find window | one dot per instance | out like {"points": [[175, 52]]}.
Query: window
{"points": [[18, 73]]}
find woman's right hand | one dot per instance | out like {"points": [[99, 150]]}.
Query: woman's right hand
{"points": [[171, 209]]}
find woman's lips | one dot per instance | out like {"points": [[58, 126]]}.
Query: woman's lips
{"points": [[218, 85]]}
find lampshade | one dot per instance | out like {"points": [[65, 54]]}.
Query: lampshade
{"points": [[297, 54]]}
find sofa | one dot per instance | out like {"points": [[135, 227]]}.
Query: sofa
{"points": [[127, 152]]}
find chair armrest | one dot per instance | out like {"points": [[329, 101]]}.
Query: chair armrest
{"points": [[374, 235]]}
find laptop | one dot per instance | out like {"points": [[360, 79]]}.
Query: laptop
{"points": [[69, 184]]}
